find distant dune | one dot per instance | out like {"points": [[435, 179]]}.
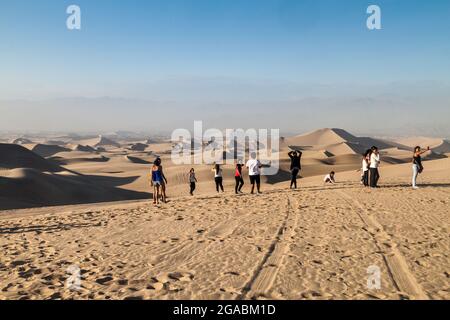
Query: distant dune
{"points": [[82, 148], [100, 141], [138, 147], [334, 141], [22, 141], [45, 150], [440, 146], [55, 142], [136, 160]]}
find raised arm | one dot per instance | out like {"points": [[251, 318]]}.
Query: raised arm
{"points": [[425, 151]]}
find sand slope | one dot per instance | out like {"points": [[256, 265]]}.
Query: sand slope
{"points": [[314, 243], [45, 150], [25, 188], [28, 180], [311, 244], [15, 156]]}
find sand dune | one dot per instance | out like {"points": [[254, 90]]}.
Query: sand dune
{"points": [[138, 147], [82, 148], [99, 141], [15, 156], [137, 160], [45, 150], [29, 180], [22, 141], [320, 137], [55, 143], [334, 141], [439, 146], [315, 243], [23, 188], [76, 157]]}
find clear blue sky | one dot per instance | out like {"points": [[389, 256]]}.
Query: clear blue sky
{"points": [[145, 48]]}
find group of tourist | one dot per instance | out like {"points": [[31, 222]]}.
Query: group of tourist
{"points": [[370, 173], [371, 162]]}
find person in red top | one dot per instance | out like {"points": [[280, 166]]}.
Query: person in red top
{"points": [[239, 179]]}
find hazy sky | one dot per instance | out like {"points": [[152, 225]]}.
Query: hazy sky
{"points": [[289, 64]]}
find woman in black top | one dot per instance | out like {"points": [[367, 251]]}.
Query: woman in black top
{"points": [[295, 166], [417, 165]]}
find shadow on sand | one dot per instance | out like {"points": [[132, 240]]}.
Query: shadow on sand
{"points": [[36, 189], [51, 228]]}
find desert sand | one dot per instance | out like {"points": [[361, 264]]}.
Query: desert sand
{"points": [[316, 242]]}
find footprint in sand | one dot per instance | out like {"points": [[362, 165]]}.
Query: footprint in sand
{"points": [[104, 280]]}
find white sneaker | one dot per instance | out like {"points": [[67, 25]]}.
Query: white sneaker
{"points": [[416, 187]]}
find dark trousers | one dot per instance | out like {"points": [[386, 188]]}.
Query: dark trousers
{"points": [[366, 178], [374, 177], [219, 183], [192, 187], [239, 184], [294, 177]]}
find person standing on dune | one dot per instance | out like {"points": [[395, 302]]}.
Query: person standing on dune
{"points": [[365, 167], [163, 181], [373, 167], [192, 181], [218, 177], [156, 180], [417, 165], [254, 171], [239, 179], [296, 166]]}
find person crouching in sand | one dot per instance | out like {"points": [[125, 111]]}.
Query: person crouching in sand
{"points": [[330, 178]]}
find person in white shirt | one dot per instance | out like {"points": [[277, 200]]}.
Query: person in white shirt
{"points": [[365, 167], [329, 178], [373, 167], [218, 178], [254, 171]]}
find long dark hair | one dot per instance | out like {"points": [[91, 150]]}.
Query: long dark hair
{"points": [[217, 168], [367, 153]]}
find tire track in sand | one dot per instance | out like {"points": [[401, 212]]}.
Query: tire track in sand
{"points": [[396, 263], [264, 275]]}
